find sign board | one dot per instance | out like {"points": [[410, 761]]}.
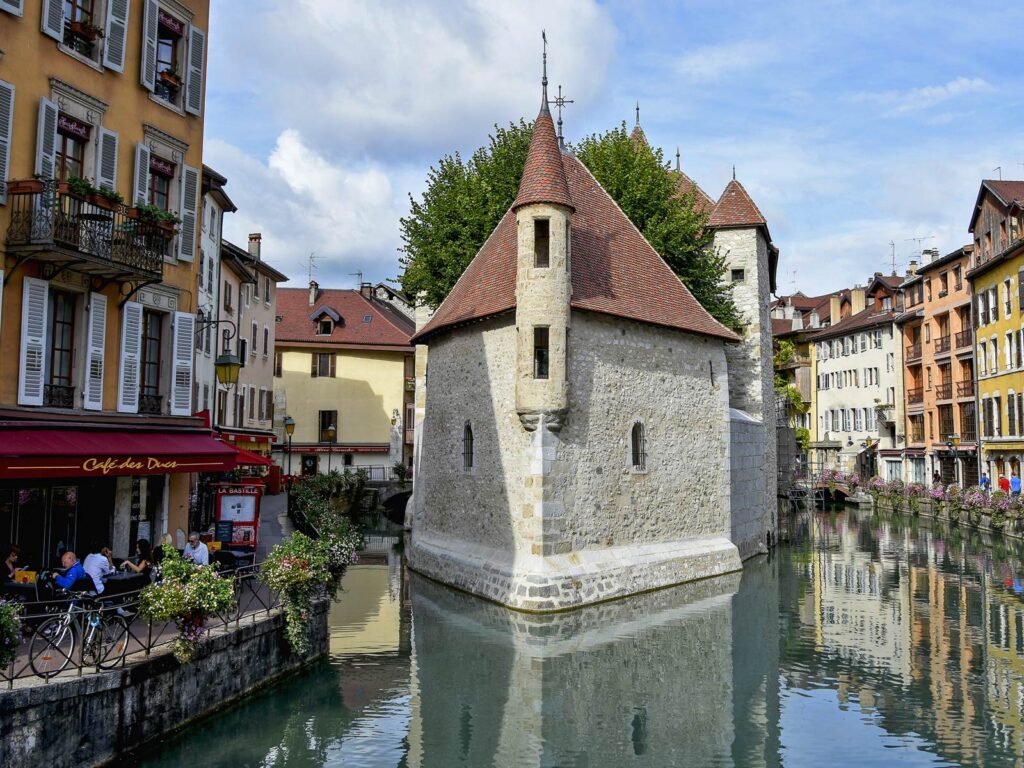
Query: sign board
{"points": [[238, 513], [222, 530]]}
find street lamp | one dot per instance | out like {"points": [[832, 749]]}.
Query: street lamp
{"points": [[332, 432], [289, 428], [227, 365]]}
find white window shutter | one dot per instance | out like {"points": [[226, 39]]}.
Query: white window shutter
{"points": [[181, 385], [188, 212], [131, 358], [46, 139], [95, 346], [147, 61], [194, 75], [17, 7], [35, 296], [141, 178], [52, 22], [106, 160], [116, 34], [6, 132]]}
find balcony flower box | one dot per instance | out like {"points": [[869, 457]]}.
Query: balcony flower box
{"points": [[170, 78], [24, 186], [85, 31]]}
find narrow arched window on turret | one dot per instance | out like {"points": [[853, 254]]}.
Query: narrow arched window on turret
{"points": [[541, 358], [541, 243], [638, 446], [467, 447]]}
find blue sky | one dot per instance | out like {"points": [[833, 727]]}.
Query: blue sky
{"points": [[852, 125]]}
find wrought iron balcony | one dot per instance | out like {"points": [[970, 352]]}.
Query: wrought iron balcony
{"points": [[965, 338], [915, 395], [914, 352], [58, 396], [151, 404], [92, 236], [965, 388], [944, 392], [942, 345]]}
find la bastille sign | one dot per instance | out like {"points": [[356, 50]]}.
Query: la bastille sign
{"points": [[129, 465]]}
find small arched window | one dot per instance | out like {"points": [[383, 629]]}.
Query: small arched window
{"points": [[467, 447], [638, 446]]}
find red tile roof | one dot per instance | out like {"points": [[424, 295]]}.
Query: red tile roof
{"points": [[387, 327], [615, 271], [543, 176], [867, 318], [638, 136], [736, 209], [1007, 191], [684, 184]]}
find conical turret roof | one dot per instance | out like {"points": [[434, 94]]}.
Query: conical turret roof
{"points": [[543, 176], [735, 208]]}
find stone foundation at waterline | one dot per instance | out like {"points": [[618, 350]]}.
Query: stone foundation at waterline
{"points": [[89, 720]]}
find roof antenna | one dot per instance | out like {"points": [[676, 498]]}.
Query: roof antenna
{"points": [[359, 275], [677, 157], [559, 102], [312, 264], [1000, 169], [544, 79]]}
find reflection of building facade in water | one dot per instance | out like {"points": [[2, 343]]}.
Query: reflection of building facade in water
{"points": [[600, 686], [919, 592]]}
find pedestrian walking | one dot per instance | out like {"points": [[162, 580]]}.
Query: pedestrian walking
{"points": [[985, 483], [1014, 485], [1004, 484]]}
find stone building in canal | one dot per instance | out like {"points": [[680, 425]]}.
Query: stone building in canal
{"points": [[582, 435]]}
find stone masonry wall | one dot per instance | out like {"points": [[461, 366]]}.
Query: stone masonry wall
{"points": [[89, 720]]}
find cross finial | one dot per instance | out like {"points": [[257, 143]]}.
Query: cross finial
{"points": [[559, 102], [677, 158], [638, 113]]}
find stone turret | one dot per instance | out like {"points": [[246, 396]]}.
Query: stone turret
{"points": [[543, 210]]}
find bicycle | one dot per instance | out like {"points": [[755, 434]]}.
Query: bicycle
{"points": [[104, 644]]}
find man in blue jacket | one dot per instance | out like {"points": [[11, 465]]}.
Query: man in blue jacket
{"points": [[73, 570]]}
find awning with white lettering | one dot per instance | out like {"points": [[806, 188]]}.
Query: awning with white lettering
{"points": [[66, 452]]}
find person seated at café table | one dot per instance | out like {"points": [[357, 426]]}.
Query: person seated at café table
{"points": [[11, 561], [166, 541], [99, 564], [144, 557], [196, 550], [73, 570]]}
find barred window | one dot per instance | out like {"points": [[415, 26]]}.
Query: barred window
{"points": [[467, 447], [638, 447]]}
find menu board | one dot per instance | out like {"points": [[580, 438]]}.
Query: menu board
{"points": [[223, 530]]}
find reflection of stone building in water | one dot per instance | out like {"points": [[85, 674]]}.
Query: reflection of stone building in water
{"points": [[589, 430], [600, 686]]}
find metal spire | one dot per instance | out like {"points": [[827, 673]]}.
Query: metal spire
{"points": [[559, 102], [734, 173], [544, 79], [638, 113], [677, 158]]}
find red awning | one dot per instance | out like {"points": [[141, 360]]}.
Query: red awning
{"points": [[250, 459], [100, 453]]}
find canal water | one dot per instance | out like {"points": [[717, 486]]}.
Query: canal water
{"points": [[861, 641]]}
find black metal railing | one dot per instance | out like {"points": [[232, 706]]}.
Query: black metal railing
{"points": [[253, 602], [965, 338], [58, 396], [942, 345], [944, 392], [45, 213], [965, 388], [914, 352], [151, 404], [915, 395]]}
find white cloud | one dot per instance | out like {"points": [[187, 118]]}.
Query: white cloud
{"points": [[918, 99], [713, 62]]}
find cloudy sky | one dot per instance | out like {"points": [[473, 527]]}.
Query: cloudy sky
{"points": [[853, 125]]}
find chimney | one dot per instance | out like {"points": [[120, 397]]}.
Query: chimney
{"points": [[912, 268], [813, 321], [366, 289], [314, 292], [929, 255], [833, 307], [254, 245], [856, 300]]}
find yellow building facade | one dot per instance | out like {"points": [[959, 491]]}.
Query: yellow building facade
{"points": [[101, 141], [343, 360], [997, 285]]}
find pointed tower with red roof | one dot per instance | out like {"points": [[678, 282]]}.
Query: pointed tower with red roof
{"points": [[575, 440], [742, 237]]}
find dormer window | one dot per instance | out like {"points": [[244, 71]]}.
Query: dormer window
{"points": [[325, 327], [541, 243]]}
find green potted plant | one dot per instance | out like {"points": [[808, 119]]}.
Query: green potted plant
{"points": [[78, 187], [10, 632], [156, 221], [186, 594], [106, 198], [85, 30], [171, 77]]}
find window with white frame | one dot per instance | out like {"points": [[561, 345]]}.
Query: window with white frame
{"points": [[846, 419], [858, 420]]}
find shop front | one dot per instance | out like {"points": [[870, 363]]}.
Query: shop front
{"points": [[68, 486]]}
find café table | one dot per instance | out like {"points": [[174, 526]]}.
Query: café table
{"points": [[19, 592], [121, 582]]}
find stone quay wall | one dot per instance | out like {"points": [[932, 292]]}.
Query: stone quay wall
{"points": [[91, 720]]}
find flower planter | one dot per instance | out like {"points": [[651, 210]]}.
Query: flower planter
{"points": [[83, 32], [171, 81], [25, 186]]}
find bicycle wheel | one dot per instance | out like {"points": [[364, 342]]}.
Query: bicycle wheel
{"points": [[111, 640], [52, 646]]}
